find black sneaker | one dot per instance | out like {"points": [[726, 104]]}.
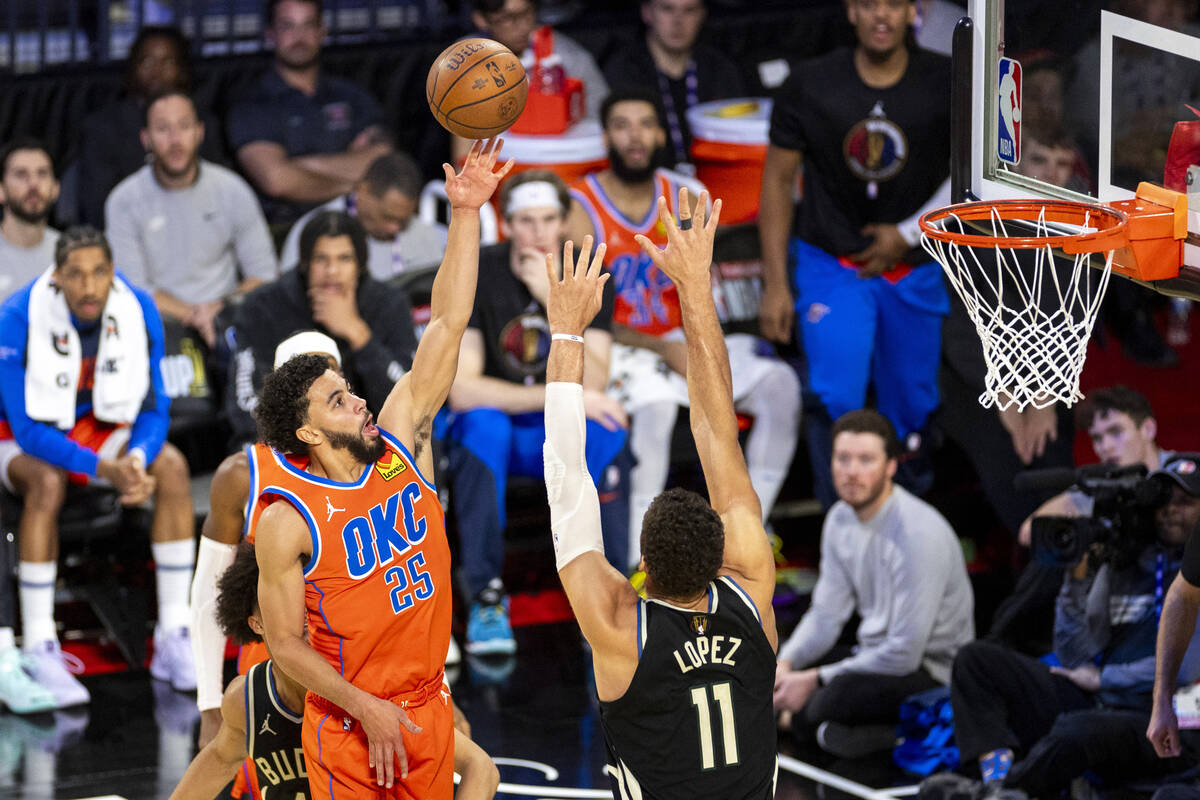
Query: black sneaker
{"points": [[855, 741], [949, 786]]}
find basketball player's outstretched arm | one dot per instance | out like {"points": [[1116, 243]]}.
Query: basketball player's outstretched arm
{"points": [[219, 760], [603, 600], [282, 545], [416, 398], [687, 260]]}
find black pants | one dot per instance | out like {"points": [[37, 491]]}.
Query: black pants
{"points": [[860, 699], [1058, 732]]}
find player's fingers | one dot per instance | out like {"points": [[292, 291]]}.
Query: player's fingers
{"points": [[550, 271], [411, 726], [667, 219], [650, 249], [389, 760], [568, 268], [449, 170], [714, 218], [585, 252], [508, 165], [597, 260], [402, 757], [685, 206]]}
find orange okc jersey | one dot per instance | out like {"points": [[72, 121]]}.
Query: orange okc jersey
{"points": [[646, 299], [266, 468], [377, 584]]}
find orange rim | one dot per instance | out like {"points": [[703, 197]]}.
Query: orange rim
{"points": [[1108, 222]]}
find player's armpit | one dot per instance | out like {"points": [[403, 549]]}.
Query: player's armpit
{"points": [[604, 602], [228, 493]]}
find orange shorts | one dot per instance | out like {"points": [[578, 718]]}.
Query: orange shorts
{"points": [[335, 750]]}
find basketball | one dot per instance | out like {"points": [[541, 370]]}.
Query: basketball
{"points": [[476, 88]]}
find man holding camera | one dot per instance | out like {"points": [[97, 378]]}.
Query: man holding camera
{"points": [[1089, 714]]}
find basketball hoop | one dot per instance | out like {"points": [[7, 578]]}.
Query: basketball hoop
{"points": [[1032, 273]]}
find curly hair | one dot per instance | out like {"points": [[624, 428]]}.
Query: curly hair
{"points": [[683, 543], [283, 402], [237, 596]]}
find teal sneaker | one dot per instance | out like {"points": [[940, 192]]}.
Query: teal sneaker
{"points": [[488, 630], [18, 690]]}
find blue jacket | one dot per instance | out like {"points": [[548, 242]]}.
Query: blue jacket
{"points": [[47, 442]]}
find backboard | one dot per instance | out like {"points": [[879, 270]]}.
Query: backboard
{"points": [[1083, 100]]}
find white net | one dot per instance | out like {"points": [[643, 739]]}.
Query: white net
{"points": [[1033, 308]]}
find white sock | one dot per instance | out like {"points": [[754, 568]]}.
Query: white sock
{"points": [[7, 640], [37, 601], [775, 405], [650, 432], [173, 565]]}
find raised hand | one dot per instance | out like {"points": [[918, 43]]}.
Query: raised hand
{"points": [[575, 299], [687, 259], [476, 181]]}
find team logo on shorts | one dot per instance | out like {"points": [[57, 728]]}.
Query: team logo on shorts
{"points": [[876, 149], [700, 624], [390, 466]]}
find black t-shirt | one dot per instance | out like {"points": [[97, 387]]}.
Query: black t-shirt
{"points": [[1190, 569], [717, 77], [870, 155], [516, 335]]}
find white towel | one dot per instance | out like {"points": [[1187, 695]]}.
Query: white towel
{"points": [[54, 356]]}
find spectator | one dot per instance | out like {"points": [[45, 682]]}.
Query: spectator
{"points": [[1050, 155], [1037, 728], [385, 202], [498, 398], [301, 136], [685, 72], [894, 560], [648, 361], [871, 124], [189, 231], [110, 147], [84, 402], [329, 291], [28, 190]]}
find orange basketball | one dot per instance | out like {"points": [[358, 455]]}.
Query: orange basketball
{"points": [[476, 88]]}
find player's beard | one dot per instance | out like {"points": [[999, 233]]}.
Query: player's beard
{"points": [[363, 451], [627, 174]]}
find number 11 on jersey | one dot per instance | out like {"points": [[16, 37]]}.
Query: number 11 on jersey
{"points": [[722, 695]]}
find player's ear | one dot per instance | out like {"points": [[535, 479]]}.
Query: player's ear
{"points": [[254, 621], [309, 435]]}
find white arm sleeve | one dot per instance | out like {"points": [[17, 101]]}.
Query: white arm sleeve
{"points": [[574, 504], [910, 228], [208, 642]]}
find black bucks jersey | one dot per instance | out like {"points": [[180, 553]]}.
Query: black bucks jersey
{"points": [[697, 720], [273, 738]]}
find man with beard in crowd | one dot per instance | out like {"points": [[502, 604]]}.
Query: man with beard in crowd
{"points": [[28, 190], [649, 355]]}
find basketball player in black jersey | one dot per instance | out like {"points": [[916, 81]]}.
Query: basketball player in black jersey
{"points": [[685, 676], [261, 714]]}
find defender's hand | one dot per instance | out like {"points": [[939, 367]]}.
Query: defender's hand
{"points": [[382, 723], [1163, 731], [575, 300], [476, 182], [687, 259]]}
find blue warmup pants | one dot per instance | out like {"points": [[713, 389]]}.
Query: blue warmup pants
{"points": [[861, 331], [487, 446]]}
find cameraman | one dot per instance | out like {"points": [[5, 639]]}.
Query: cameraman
{"points": [[1089, 714], [1178, 624]]}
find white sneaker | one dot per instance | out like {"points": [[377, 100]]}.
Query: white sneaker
{"points": [[52, 668], [173, 660]]}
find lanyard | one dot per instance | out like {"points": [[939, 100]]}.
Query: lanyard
{"points": [[691, 85], [397, 258], [1159, 565]]}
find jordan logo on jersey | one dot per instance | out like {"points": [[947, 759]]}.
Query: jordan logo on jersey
{"points": [[266, 726], [330, 509], [390, 465]]}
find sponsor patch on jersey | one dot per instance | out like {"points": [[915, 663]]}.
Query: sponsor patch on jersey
{"points": [[699, 624], [390, 466]]}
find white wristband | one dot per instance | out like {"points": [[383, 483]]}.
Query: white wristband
{"points": [[566, 337]]}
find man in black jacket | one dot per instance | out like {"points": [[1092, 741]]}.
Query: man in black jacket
{"points": [[329, 291]]}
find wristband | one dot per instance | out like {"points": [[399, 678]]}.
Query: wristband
{"points": [[565, 337]]}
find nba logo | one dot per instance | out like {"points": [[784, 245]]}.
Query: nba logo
{"points": [[1008, 132]]}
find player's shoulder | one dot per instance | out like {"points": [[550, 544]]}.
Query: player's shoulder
{"points": [[233, 703], [232, 474]]}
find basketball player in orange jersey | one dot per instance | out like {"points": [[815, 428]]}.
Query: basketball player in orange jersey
{"points": [[358, 540], [648, 354]]}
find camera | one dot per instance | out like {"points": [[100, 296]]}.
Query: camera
{"points": [[1122, 522]]}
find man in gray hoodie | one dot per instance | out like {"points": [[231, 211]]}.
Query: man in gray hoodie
{"points": [[894, 560]]}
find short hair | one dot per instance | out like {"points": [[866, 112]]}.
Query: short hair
{"points": [[1114, 398], [632, 93], [237, 596], [283, 403], [535, 176], [683, 543], [175, 38], [273, 6], [1055, 137], [865, 420], [22, 143], [163, 95], [332, 223], [395, 170], [77, 237], [492, 6]]}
